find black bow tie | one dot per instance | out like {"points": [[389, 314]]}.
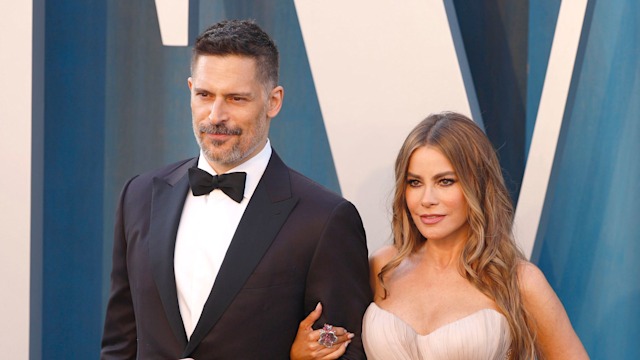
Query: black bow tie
{"points": [[231, 184]]}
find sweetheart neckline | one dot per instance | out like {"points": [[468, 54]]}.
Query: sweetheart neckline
{"points": [[440, 327]]}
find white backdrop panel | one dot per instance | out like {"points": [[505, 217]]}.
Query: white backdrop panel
{"points": [[379, 68]]}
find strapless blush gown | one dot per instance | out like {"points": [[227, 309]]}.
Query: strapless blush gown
{"points": [[481, 335]]}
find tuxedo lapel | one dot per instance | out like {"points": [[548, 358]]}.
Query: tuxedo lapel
{"points": [[169, 194], [267, 211]]}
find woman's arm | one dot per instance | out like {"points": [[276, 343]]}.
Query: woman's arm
{"points": [[555, 336], [306, 346]]}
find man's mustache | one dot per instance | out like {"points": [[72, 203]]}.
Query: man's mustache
{"points": [[218, 130]]}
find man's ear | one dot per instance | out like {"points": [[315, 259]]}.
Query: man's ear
{"points": [[275, 101], [190, 82]]}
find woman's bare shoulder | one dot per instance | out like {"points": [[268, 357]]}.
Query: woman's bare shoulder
{"points": [[531, 279], [377, 261], [381, 257]]}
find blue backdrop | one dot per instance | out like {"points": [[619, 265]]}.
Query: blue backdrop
{"points": [[116, 104]]}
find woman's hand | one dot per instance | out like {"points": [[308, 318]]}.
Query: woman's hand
{"points": [[306, 346]]}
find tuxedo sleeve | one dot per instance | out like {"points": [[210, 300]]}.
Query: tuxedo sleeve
{"points": [[119, 336], [339, 275]]}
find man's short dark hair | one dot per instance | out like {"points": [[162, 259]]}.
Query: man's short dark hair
{"points": [[244, 38]]}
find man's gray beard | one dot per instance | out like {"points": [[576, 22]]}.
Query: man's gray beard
{"points": [[230, 157], [235, 154]]}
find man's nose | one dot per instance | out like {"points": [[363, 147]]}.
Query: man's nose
{"points": [[218, 111]]}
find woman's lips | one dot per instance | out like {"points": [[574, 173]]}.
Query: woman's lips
{"points": [[431, 219]]}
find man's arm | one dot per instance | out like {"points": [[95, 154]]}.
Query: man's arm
{"points": [[339, 276], [119, 337]]}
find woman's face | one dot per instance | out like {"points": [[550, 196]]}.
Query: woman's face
{"points": [[434, 197]]}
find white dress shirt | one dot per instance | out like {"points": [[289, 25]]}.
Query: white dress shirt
{"points": [[206, 228]]}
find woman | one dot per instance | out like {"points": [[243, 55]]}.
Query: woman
{"points": [[454, 285]]}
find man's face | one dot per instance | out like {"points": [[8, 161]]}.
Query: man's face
{"points": [[231, 109]]}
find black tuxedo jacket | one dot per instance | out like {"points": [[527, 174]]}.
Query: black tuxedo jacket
{"points": [[296, 244]]}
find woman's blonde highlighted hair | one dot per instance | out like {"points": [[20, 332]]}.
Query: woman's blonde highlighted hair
{"points": [[490, 257]]}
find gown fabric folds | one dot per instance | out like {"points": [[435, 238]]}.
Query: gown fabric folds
{"points": [[481, 335]]}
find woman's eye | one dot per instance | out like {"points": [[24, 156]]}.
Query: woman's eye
{"points": [[413, 182], [447, 182]]}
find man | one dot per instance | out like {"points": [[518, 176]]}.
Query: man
{"points": [[230, 273]]}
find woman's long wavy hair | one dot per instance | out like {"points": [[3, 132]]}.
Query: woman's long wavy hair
{"points": [[490, 256]]}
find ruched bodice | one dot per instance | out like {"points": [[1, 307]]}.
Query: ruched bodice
{"points": [[481, 335]]}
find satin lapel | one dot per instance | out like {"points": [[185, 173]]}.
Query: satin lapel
{"points": [[169, 194], [267, 211]]}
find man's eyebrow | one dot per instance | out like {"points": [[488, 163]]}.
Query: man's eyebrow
{"points": [[243, 94]]}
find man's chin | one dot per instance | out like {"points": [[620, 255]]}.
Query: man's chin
{"points": [[216, 149], [220, 157]]}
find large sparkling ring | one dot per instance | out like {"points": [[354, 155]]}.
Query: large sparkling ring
{"points": [[327, 336]]}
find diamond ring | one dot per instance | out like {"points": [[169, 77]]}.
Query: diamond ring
{"points": [[327, 336]]}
